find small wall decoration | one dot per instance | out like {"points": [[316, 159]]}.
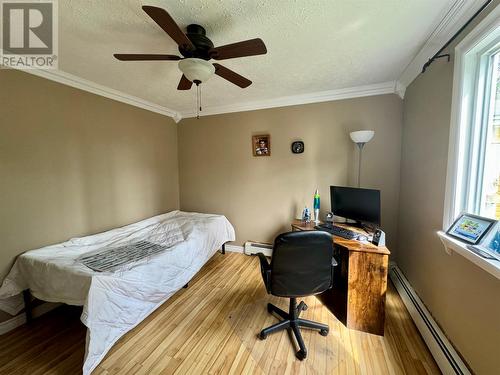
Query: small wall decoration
{"points": [[261, 145], [298, 147]]}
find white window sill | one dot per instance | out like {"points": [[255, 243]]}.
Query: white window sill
{"points": [[452, 245]]}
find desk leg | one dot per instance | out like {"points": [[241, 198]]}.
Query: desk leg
{"points": [[366, 292], [27, 305], [358, 296]]}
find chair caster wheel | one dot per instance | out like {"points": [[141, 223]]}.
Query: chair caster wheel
{"points": [[304, 308], [301, 354], [262, 336], [269, 308], [324, 332]]}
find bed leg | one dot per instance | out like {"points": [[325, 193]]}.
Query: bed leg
{"points": [[27, 305], [185, 286], [223, 250]]}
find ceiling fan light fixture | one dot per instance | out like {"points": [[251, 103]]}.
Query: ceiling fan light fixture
{"points": [[196, 70]]}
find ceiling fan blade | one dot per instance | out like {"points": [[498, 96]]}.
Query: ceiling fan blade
{"points": [[143, 57], [231, 76], [184, 83], [167, 23], [249, 47]]}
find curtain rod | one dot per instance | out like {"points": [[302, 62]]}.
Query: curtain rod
{"points": [[438, 55]]}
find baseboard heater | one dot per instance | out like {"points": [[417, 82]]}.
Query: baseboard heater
{"points": [[444, 354], [252, 248]]}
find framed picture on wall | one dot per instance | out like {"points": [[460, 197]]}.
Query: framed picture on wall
{"points": [[470, 228], [261, 145]]}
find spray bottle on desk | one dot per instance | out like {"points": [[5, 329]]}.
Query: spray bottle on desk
{"points": [[316, 207], [306, 215]]}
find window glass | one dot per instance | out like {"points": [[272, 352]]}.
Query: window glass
{"points": [[490, 195]]}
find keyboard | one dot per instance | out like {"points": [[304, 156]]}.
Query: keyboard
{"points": [[337, 231]]}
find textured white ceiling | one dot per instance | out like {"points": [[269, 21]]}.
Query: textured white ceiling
{"points": [[313, 45]]}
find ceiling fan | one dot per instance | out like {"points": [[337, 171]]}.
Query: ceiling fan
{"points": [[197, 50]]}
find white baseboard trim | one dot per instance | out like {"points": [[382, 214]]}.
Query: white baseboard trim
{"points": [[234, 249], [20, 319], [446, 357]]}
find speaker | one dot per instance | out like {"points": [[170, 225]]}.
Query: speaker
{"points": [[378, 238]]}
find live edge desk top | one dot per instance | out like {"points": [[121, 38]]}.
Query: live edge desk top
{"points": [[357, 298]]}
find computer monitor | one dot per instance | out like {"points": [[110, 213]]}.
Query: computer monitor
{"points": [[362, 205]]}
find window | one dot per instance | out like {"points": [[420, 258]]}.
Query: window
{"points": [[482, 143], [473, 173], [473, 180], [489, 199]]}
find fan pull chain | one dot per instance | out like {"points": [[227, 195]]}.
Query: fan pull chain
{"points": [[197, 102], [200, 101]]}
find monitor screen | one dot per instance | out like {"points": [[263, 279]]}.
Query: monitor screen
{"points": [[358, 204]]}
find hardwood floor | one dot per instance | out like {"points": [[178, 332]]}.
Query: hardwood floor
{"points": [[211, 328]]}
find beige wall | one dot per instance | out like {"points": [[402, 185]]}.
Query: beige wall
{"points": [[463, 298], [73, 163], [260, 195]]}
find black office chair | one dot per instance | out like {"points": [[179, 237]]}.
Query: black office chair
{"points": [[302, 265]]}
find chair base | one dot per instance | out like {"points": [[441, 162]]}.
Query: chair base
{"points": [[292, 321]]}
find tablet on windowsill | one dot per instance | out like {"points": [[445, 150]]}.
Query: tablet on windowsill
{"points": [[470, 229]]}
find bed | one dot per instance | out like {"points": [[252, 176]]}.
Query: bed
{"points": [[115, 302]]}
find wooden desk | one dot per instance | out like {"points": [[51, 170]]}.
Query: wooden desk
{"points": [[357, 298]]}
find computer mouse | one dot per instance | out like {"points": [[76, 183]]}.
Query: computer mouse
{"points": [[362, 238]]}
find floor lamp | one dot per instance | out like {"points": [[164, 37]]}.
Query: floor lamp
{"points": [[361, 137]]}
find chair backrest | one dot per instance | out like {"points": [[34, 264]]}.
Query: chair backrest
{"points": [[301, 264]]}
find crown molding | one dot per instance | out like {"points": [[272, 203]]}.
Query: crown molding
{"points": [[451, 21], [399, 89], [83, 84], [390, 87]]}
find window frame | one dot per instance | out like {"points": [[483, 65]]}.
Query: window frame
{"points": [[473, 56]]}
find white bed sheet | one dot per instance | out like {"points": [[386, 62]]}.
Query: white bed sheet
{"points": [[114, 303]]}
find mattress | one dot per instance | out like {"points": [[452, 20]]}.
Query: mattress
{"points": [[115, 302]]}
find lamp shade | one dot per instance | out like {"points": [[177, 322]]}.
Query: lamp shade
{"points": [[362, 136], [196, 69]]}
